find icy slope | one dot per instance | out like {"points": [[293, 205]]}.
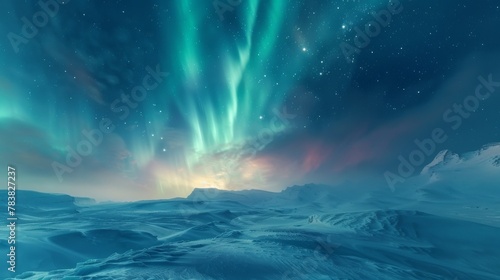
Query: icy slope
{"points": [[441, 224]]}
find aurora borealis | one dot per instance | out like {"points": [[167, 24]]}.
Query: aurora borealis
{"points": [[261, 98]]}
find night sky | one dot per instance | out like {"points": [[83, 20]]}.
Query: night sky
{"points": [[150, 99]]}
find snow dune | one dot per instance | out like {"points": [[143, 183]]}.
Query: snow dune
{"points": [[442, 224]]}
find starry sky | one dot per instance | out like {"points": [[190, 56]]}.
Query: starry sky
{"points": [[130, 100]]}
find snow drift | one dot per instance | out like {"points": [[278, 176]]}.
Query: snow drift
{"points": [[442, 224]]}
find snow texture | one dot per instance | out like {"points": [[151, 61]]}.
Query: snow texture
{"points": [[442, 224]]}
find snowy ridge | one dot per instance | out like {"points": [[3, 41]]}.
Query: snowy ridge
{"points": [[487, 155], [441, 159], [428, 229]]}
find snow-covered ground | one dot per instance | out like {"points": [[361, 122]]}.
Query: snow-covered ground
{"points": [[442, 224]]}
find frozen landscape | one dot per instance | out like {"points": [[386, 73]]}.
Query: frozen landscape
{"points": [[441, 224], [250, 140]]}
